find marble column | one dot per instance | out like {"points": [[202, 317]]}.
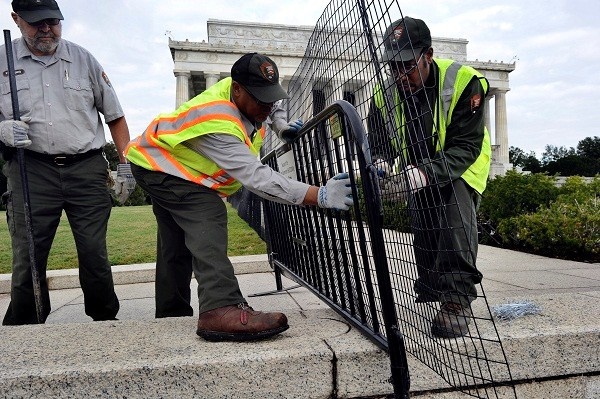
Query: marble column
{"points": [[211, 78], [182, 92], [284, 83], [501, 127], [487, 113]]}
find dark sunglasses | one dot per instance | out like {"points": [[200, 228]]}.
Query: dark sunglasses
{"points": [[48, 21]]}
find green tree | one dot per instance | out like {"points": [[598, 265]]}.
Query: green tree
{"points": [[573, 165], [516, 156], [554, 153], [589, 147], [528, 162], [532, 164], [585, 161]]}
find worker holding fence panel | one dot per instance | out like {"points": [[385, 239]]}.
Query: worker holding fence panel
{"points": [[427, 134], [188, 161]]}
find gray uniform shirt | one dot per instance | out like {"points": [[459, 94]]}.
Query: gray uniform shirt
{"points": [[63, 95], [235, 158]]}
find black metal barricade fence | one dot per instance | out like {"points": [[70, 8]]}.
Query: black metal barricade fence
{"points": [[333, 253], [368, 264]]}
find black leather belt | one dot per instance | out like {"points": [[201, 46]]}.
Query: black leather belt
{"points": [[62, 159]]}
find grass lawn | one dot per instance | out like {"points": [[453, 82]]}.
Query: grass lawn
{"points": [[131, 239]]}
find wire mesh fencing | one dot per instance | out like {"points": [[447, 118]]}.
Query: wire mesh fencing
{"points": [[402, 254]]}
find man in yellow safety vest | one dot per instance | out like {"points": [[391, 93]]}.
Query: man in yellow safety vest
{"points": [[187, 161], [426, 130]]}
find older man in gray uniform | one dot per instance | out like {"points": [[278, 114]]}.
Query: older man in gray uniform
{"points": [[61, 90]]}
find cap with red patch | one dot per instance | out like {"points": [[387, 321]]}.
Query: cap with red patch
{"points": [[260, 76], [405, 39]]}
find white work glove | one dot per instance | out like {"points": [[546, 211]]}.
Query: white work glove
{"points": [[124, 184], [393, 189], [415, 179], [336, 193], [289, 133], [396, 188], [391, 186], [14, 133]]}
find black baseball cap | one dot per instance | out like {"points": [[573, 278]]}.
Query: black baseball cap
{"points": [[36, 10], [405, 39], [260, 76]]}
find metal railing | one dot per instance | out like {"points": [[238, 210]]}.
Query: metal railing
{"points": [[364, 263], [339, 256]]}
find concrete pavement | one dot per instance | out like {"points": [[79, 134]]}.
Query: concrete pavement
{"points": [[555, 353]]}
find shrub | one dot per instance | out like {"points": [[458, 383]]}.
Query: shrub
{"points": [[576, 189], [394, 214], [515, 194], [137, 198], [567, 229]]}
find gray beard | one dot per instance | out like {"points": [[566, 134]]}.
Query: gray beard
{"points": [[35, 44], [46, 48]]}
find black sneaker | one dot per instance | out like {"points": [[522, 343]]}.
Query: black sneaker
{"points": [[451, 321]]}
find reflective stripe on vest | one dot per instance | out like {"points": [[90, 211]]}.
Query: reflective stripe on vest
{"points": [[453, 79], [162, 146]]}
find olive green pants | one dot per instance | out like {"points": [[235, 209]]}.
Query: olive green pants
{"points": [[192, 238], [444, 224], [80, 190]]}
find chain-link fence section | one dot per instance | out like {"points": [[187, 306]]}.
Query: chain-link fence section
{"points": [[401, 265]]}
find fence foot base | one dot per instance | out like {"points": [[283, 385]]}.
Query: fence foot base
{"points": [[275, 292]]}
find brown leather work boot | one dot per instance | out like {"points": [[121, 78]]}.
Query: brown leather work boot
{"points": [[240, 323], [451, 321]]}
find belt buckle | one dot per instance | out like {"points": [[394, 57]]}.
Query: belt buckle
{"points": [[60, 160]]}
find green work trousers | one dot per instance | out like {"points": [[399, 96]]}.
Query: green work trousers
{"points": [[80, 190], [192, 238], [444, 225]]}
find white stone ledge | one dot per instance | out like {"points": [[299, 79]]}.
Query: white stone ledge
{"points": [[137, 273]]}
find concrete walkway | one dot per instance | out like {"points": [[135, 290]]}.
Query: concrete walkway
{"points": [[553, 354]]}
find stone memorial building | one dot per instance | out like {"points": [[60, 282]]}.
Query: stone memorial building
{"points": [[198, 65]]}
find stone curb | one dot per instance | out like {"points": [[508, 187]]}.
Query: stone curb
{"points": [[137, 273]]}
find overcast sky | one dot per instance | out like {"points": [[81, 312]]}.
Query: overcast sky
{"points": [[555, 43]]}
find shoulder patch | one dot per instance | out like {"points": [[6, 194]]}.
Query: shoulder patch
{"points": [[475, 102], [105, 77]]}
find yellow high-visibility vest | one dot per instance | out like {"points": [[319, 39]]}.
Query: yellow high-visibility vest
{"points": [[453, 79], [161, 147]]}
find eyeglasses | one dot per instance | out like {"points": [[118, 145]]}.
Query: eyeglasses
{"points": [[48, 21], [399, 72], [258, 102]]}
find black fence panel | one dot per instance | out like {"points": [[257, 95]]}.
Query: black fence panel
{"points": [[334, 253], [366, 263]]}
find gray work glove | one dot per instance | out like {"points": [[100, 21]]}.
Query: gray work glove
{"points": [[124, 184], [397, 188], [14, 133], [289, 133], [336, 193], [393, 189], [390, 186]]}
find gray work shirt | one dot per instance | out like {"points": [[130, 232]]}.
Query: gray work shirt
{"points": [[63, 95], [237, 160]]}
